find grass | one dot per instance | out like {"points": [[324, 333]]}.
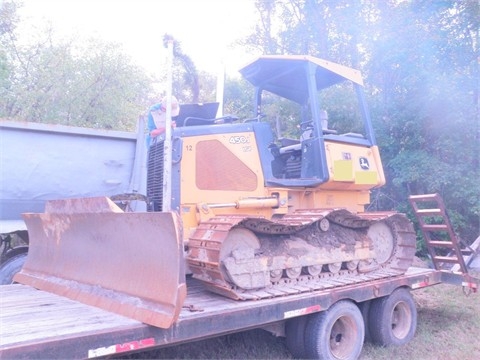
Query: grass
{"points": [[448, 328]]}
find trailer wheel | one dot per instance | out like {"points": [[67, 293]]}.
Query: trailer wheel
{"points": [[295, 334], [336, 333], [393, 318], [10, 267]]}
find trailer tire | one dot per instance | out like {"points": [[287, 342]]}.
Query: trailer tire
{"points": [[10, 267], [336, 333], [295, 336], [393, 319], [365, 310]]}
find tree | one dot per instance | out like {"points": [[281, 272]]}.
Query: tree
{"points": [[90, 84], [190, 75], [328, 29], [83, 82], [427, 118], [8, 23]]}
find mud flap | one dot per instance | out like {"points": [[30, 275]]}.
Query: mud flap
{"points": [[91, 251]]}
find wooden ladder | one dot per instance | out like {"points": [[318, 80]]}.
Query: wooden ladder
{"points": [[438, 233]]}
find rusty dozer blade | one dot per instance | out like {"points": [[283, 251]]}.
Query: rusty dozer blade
{"points": [[91, 251]]}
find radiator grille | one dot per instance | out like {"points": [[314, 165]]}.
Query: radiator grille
{"points": [[155, 177]]}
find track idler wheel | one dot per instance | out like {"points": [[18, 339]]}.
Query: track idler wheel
{"points": [[239, 266]]}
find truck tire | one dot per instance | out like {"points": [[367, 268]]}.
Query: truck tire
{"points": [[393, 318], [295, 334], [336, 333], [10, 267]]}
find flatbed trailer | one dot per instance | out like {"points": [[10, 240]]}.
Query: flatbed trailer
{"points": [[38, 324]]}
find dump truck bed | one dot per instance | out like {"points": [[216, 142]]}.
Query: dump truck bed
{"points": [[37, 324]]}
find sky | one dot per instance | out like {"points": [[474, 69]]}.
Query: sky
{"points": [[205, 28]]}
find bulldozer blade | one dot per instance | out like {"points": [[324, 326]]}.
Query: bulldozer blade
{"points": [[90, 251]]}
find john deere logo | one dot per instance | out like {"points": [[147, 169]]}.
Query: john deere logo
{"points": [[364, 163]]}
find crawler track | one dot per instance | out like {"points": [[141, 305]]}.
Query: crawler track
{"points": [[244, 257]]}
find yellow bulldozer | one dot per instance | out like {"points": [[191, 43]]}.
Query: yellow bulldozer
{"points": [[253, 215]]}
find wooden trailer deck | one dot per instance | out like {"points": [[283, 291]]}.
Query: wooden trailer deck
{"points": [[37, 324]]}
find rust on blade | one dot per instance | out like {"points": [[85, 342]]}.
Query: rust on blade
{"points": [[91, 251]]}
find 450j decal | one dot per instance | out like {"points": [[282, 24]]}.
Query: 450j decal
{"points": [[239, 140]]}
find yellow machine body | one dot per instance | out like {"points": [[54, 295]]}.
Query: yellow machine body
{"points": [[223, 174]]}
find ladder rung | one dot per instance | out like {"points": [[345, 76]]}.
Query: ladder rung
{"points": [[434, 227], [425, 197], [448, 259], [446, 244], [424, 212]]}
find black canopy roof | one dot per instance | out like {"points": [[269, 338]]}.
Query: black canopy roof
{"points": [[287, 75]]}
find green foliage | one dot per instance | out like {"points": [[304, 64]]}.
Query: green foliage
{"points": [[91, 85], [238, 95], [84, 82], [343, 109], [8, 17], [182, 86], [426, 117]]}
